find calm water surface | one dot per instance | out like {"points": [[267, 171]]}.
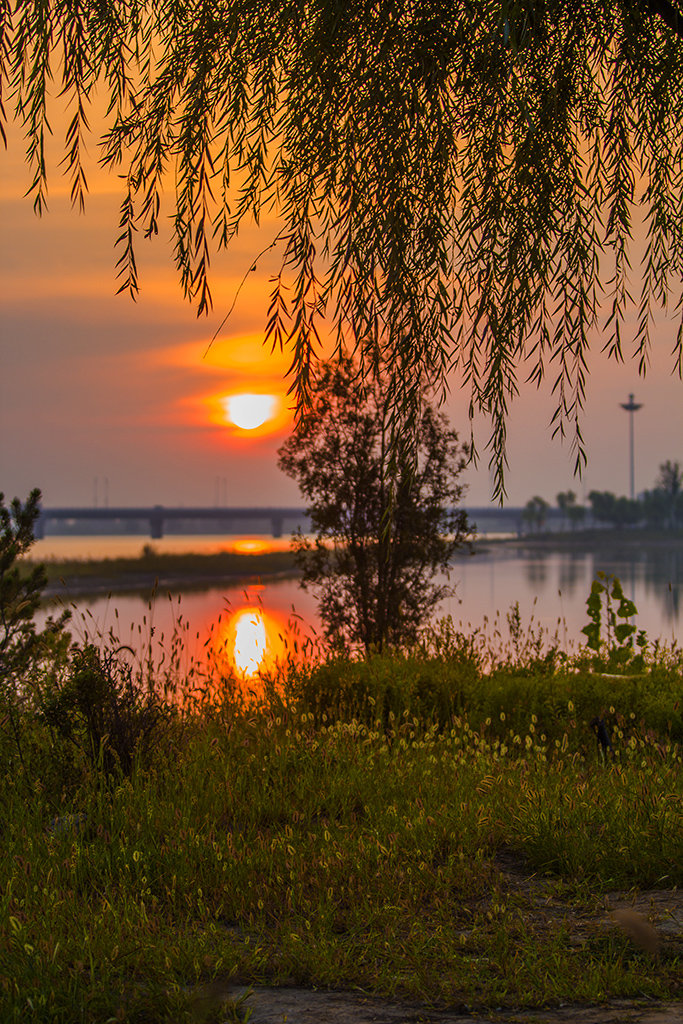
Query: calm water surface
{"points": [[254, 624]]}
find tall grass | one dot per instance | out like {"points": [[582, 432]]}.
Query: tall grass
{"points": [[499, 686], [345, 828]]}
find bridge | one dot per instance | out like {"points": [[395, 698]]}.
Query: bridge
{"points": [[160, 519]]}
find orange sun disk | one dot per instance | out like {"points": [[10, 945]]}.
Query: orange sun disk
{"points": [[250, 413], [249, 410]]}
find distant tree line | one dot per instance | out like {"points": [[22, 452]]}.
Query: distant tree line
{"points": [[659, 508]]}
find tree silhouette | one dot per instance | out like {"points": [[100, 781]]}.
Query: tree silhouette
{"points": [[670, 479], [535, 512], [663, 506], [606, 507], [574, 514], [27, 654], [385, 524], [449, 177]]}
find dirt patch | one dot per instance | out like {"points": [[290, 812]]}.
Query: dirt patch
{"points": [[659, 910], [262, 1005]]}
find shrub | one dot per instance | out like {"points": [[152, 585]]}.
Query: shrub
{"points": [[104, 711]]}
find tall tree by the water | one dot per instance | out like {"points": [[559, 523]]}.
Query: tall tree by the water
{"points": [[385, 522]]}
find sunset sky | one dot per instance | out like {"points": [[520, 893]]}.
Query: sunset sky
{"points": [[101, 396]]}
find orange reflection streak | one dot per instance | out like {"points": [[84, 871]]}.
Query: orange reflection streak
{"points": [[250, 642], [249, 647], [257, 546]]}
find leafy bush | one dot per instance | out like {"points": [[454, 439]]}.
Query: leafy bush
{"points": [[103, 711]]}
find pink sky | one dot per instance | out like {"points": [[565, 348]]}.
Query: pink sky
{"points": [[94, 386]]}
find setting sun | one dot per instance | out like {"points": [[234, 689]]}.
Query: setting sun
{"points": [[250, 414], [249, 411]]}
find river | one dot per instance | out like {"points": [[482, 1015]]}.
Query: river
{"points": [[256, 624]]}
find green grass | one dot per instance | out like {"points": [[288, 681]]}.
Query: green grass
{"points": [[347, 830], [122, 572]]}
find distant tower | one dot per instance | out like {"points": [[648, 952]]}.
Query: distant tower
{"points": [[630, 408]]}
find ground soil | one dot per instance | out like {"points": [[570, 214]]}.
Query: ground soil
{"points": [[304, 1006]]}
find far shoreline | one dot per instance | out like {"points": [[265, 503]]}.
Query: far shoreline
{"points": [[587, 539], [152, 571], [163, 572]]}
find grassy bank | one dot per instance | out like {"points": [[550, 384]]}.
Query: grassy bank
{"points": [[186, 569], [406, 825]]}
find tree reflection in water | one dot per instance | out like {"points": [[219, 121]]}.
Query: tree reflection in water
{"points": [[651, 571]]}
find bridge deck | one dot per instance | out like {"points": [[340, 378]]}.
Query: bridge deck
{"points": [[157, 516]]}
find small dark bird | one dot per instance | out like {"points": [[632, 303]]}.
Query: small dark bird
{"points": [[604, 742]]}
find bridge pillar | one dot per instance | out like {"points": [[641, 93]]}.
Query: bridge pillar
{"points": [[39, 527], [276, 525], [156, 523]]}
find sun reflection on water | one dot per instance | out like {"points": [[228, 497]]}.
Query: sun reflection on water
{"points": [[250, 640], [250, 643]]}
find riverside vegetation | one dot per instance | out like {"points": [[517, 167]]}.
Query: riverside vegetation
{"points": [[438, 823], [151, 567]]}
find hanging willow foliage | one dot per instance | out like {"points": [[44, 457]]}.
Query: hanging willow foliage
{"points": [[448, 174]]}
